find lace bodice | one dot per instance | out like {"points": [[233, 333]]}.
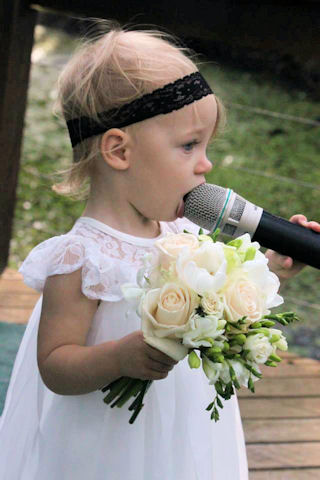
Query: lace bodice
{"points": [[108, 258]]}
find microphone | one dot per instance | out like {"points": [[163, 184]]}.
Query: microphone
{"points": [[212, 207]]}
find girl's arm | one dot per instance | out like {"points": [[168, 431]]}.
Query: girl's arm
{"points": [[69, 367]]}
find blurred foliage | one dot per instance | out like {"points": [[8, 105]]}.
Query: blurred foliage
{"points": [[254, 151]]}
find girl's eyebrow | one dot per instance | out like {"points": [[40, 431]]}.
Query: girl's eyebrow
{"points": [[197, 130]]}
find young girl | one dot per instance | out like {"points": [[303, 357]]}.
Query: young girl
{"points": [[140, 117]]}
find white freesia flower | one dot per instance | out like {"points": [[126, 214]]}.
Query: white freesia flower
{"points": [[201, 328], [211, 369], [246, 243], [259, 346], [203, 270], [165, 312], [241, 372], [277, 339]]}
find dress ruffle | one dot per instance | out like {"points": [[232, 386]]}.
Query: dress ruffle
{"points": [[102, 275]]}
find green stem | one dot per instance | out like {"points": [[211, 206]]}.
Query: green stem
{"points": [[116, 389], [126, 394]]}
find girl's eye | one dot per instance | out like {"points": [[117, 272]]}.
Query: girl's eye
{"points": [[189, 146]]}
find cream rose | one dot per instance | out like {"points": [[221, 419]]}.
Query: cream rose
{"points": [[243, 298], [259, 347], [165, 314], [171, 245]]}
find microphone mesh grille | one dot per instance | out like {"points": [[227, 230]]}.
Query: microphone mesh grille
{"points": [[204, 204]]}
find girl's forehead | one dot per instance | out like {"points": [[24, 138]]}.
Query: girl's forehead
{"points": [[199, 115]]}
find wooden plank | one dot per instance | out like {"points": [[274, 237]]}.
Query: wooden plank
{"points": [[284, 455], [280, 407], [16, 40], [284, 387], [15, 315], [15, 285], [23, 300], [282, 430], [10, 274], [300, 474]]}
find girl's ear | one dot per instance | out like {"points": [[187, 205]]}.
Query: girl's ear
{"points": [[113, 148]]}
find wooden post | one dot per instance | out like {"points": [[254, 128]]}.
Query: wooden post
{"points": [[16, 40]]}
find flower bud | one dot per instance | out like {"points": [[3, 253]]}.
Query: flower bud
{"points": [[251, 384], [213, 350], [226, 346], [275, 338], [274, 358], [271, 364], [240, 339], [237, 242], [250, 254], [256, 325], [193, 360], [268, 323], [204, 238]]}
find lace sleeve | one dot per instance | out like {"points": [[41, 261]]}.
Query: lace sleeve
{"points": [[66, 254]]}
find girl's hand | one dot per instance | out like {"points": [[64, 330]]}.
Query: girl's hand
{"points": [[137, 359], [285, 267]]}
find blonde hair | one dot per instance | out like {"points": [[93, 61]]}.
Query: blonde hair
{"points": [[114, 69]]}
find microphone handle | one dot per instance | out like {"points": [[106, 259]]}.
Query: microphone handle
{"points": [[289, 239]]}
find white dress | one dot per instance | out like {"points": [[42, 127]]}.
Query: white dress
{"points": [[45, 436]]}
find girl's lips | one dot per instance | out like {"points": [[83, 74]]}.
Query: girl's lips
{"points": [[180, 209]]}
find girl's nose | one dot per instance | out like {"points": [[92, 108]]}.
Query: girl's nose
{"points": [[204, 166]]}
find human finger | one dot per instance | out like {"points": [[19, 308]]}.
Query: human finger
{"points": [[298, 218], [158, 367], [279, 260], [302, 220], [158, 356]]}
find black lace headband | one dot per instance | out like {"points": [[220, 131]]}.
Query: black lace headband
{"points": [[172, 96]]}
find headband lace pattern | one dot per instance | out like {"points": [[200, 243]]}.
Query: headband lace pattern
{"points": [[172, 96]]}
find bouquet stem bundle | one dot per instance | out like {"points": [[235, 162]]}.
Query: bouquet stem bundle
{"points": [[124, 388], [209, 301]]}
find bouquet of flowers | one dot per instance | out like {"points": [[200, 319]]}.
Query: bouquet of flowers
{"points": [[211, 301]]}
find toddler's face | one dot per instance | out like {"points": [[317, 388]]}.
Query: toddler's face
{"points": [[168, 158]]}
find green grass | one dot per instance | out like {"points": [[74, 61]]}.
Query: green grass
{"points": [[249, 158]]}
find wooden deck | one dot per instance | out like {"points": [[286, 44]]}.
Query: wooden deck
{"points": [[281, 420]]}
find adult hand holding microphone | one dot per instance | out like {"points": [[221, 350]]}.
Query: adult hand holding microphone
{"points": [[211, 207]]}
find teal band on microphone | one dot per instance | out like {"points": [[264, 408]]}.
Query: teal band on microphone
{"points": [[223, 210]]}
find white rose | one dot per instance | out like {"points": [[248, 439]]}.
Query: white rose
{"points": [[165, 316], [212, 304], [203, 270], [171, 245], [201, 328], [259, 346], [211, 369], [242, 298], [258, 272]]}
